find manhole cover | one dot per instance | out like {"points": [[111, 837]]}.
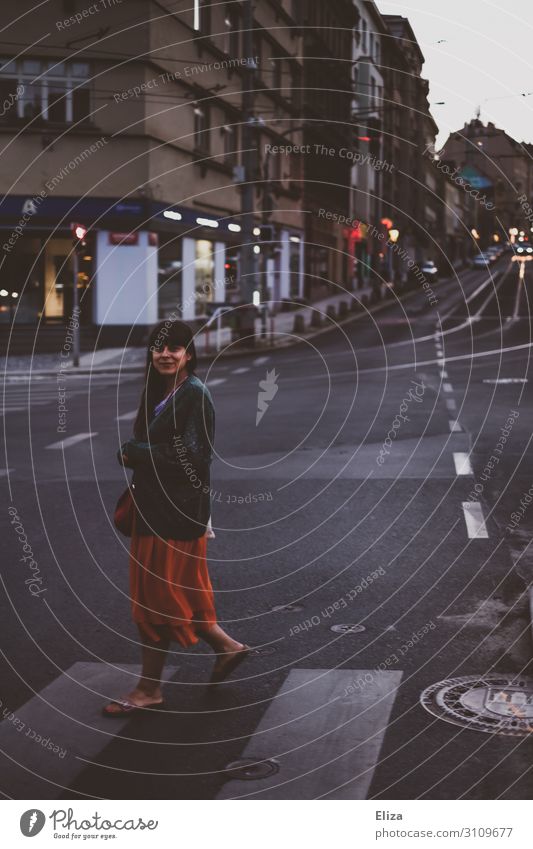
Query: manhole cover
{"points": [[264, 650], [286, 607], [347, 629], [497, 704], [246, 769]]}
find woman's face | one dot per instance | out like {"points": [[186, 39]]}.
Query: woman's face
{"points": [[171, 359]]}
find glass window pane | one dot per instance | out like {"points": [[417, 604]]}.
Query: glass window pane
{"points": [[8, 66], [79, 69], [81, 103], [56, 69], [32, 100], [31, 66], [57, 103], [8, 99]]}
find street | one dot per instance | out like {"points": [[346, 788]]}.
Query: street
{"points": [[352, 501]]}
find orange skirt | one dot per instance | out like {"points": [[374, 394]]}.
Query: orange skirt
{"points": [[170, 587]]}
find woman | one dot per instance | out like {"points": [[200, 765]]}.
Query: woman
{"points": [[172, 597]]}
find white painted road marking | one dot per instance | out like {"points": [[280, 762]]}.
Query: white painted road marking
{"points": [[72, 440], [326, 733], [454, 425], [67, 714], [447, 387], [451, 404], [463, 466], [259, 361], [443, 373], [241, 370], [216, 381], [126, 417], [507, 380], [475, 521]]}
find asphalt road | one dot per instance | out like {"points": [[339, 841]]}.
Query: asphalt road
{"points": [[344, 505]]}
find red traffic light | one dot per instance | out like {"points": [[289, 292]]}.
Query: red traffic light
{"points": [[78, 231]]}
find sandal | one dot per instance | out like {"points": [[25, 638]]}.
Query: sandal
{"points": [[127, 708], [230, 665]]}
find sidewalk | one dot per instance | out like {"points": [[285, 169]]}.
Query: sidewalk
{"points": [[283, 330]]}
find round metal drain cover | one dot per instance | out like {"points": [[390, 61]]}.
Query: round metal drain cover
{"points": [[347, 629], [246, 769], [496, 704], [264, 650], [289, 608]]}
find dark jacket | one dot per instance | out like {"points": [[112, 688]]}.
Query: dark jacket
{"points": [[171, 480]]}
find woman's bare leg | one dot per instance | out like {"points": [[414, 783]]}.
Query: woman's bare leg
{"points": [[219, 641], [226, 647], [148, 689]]}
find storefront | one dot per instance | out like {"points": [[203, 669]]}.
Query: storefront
{"points": [[143, 262]]}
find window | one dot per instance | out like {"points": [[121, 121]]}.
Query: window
{"points": [[230, 143], [371, 44], [202, 16], [276, 65], [232, 34], [201, 128], [56, 91], [296, 85], [363, 34]]}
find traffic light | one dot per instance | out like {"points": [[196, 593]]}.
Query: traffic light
{"points": [[79, 234]]}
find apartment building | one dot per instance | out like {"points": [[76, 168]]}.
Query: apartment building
{"points": [[127, 118]]}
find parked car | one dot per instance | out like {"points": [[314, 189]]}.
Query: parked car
{"points": [[429, 269], [481, 261]]}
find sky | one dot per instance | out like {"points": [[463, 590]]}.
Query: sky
{"points": [[485, 59]]}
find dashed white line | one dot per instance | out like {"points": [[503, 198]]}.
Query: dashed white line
{"points": [[241, 370], [443, 373], [216, 381], [447, 387], [71, 440], [455, 427], [451, 404], [463, 466], [259, 361], [126, 417], [475, 521]]}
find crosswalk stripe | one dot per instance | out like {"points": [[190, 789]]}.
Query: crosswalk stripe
{"points": [[475, 520], [325, 728], [241, 370], [451, 404], [463, 466], [55, 732], [216, 381], [72, 440], [259, 361], [126, 417], [454, 425], [447, 387]]}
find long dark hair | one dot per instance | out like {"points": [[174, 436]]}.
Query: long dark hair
{"points": [[169, 332]]}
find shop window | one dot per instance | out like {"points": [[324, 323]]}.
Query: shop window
{"points": [[204, 275], [169, 278]]}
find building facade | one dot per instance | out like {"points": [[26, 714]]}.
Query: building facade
{"points": [[128, 119]]}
